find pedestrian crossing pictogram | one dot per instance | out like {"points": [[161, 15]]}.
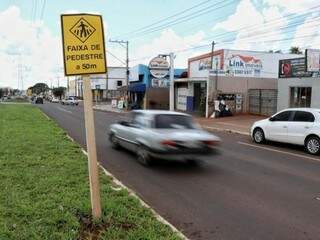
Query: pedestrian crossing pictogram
{"points": [[82, 30]]}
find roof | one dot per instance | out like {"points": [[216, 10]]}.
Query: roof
{"points": [[304, 109], [154, 112]]}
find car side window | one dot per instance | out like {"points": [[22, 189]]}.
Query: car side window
{"points": [[139, 120], [302, 116], [283, 116]]}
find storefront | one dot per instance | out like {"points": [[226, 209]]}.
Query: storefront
{"points": [[299, 81], [246, 81]]}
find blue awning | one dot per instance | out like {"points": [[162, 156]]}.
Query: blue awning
{"points": [[137, 87]]}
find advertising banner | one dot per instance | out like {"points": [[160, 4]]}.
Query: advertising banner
{"points": [[312, 60], [291, 68]]}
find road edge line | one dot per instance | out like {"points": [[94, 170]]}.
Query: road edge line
{"points": [[225, 130]]}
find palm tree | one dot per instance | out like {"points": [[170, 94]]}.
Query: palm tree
{"points": [[295, 50]]}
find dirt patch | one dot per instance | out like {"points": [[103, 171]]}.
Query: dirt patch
{"points": [[90, 230]]}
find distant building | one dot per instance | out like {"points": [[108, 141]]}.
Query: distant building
{"points": [[148, 92], [104, 86]]}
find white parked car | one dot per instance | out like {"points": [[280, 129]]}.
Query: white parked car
{"points": [[55, 100], [163, 135], [70, 101], [300, 126]]}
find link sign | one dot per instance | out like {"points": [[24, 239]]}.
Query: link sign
{"points": [[83, 44]]}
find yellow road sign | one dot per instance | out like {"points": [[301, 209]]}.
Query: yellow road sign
{"points": [[83, 44]]}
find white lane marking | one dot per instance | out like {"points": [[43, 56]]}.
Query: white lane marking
{"points": [[280, 151], [64, 110]]}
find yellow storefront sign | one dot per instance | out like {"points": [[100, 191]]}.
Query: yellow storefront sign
{"points": [[83, 44]]}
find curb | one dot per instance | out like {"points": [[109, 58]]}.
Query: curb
{"points": [[226, 130], [135, 195], [131, 192], [103, 110]]}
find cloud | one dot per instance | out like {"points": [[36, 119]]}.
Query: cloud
{"points": [[30, 45], [252, 28], [167, 42], [308, 28], [291, 6]]}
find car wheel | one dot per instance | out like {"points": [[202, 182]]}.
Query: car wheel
{"points": [[258, 135], [114, 141], [313, 145], [143, 156]]}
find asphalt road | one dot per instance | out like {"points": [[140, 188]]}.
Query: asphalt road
{"points": [[247, 191]]}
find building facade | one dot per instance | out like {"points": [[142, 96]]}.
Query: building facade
{"points": [[299, 86], [148, 92], [245, 80], [104, 86]]}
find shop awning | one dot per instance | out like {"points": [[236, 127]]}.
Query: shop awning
{"points": [[137, 87]]}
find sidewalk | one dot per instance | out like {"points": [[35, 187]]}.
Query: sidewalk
{"points": [[108, 108], [238, 124]]}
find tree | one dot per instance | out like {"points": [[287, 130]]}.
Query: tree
{"points": [[40, 88], [59, 92], [295, 50]]}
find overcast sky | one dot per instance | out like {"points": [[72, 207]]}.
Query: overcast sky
{"points": [[30, 32]]}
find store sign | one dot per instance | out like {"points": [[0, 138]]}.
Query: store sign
{"points": [[312, 60], [290, 68], [242, 65], [83, 44], [205, 63], [182, 99], [160, 82], [159, 67]]}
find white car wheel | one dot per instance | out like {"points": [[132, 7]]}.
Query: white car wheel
{"points": [[313, 145], [258, 135]]}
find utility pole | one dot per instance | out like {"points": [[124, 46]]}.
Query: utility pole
{"points": [[171, 93], [208, 81], [126, 46], [171, 78]]}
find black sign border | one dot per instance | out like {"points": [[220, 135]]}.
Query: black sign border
{"points": [[64, 55]]}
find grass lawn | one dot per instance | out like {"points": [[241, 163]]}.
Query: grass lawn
{"points": [[44, 189]]}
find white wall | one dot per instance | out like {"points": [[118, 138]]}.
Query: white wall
{"points": [[115, 75], [284, 85], [252, 64]]}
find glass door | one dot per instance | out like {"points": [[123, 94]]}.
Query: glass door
{"points": [[300, 96]]}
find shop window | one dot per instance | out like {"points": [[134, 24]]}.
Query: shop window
{"points": [[300, 96]]}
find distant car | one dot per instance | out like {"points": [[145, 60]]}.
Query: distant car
{"points": [[300, 126], [38, 100], [163, 135], [70, 101], [55, 100]]}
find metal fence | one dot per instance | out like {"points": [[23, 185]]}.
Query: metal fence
{"points": [[263, 101]]}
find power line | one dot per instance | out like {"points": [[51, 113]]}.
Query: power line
{"points": [[164, 19], [120, 60], [43, 9], [272, 21], [184, 19]]}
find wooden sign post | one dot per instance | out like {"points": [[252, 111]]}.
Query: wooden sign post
{"points": [[84, 54]]}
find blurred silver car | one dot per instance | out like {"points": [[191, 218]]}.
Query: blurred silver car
{"points": [[163, 135]]}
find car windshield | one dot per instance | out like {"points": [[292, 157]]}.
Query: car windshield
{"points": [[171, 121]]}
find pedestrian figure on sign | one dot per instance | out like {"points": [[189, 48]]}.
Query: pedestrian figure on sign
{"points": [[83, 29]]}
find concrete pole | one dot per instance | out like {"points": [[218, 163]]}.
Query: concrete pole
{"points": [[208, 81], [171, 93]]}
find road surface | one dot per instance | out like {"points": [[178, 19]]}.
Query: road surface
{"points": [[247, 191]]}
